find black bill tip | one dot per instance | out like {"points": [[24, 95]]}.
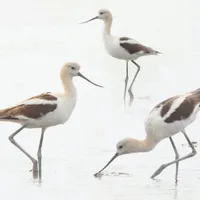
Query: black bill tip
{"points": [[99, 174], [81, 75], [89, 20]]}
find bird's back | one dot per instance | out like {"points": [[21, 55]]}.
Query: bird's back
{"points": [[44, 110], [173, 115]]}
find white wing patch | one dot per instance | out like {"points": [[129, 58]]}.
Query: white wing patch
{"points": [[37, 101], [176, 103]]}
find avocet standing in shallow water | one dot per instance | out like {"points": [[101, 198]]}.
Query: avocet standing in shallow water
{"points": [[45, 110], [165, 120], [124, 48]]}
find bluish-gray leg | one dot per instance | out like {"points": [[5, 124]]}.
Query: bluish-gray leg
{"points": [[193, 153], [39, 153], [126, 82], [134, 78], [34, 161], [176, 157]]}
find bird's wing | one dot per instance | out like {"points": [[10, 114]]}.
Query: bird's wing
{"points": [[34, 108]]}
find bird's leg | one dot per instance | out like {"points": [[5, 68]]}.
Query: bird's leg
{"points": [[176, 157], [126, 82], [39, 153], [162, 167], [130, 88], [34, 161]]}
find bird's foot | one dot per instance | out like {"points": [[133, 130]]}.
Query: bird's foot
{"points": [[158, 171], [131, 97], [34, 170]]}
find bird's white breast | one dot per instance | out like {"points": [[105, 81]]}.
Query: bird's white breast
{"points": [[60, 115], [113, 48], [112, 45]]}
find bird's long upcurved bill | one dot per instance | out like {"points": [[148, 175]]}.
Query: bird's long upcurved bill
{"points": [[81, 75], [113, 158], [89, 20]]}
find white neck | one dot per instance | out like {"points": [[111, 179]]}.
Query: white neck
{"points": [[145, 145], [68, 85], [107, 26]]}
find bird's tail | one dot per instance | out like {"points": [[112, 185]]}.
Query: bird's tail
{"points": [[158, 52], [5, 115], [2, 114]]}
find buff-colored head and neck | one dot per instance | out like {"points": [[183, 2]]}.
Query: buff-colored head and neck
{"points": [[106, 16], [130, 145], [68, 71]]}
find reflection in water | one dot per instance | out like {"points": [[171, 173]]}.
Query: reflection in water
{"points": [[195, 143], [100, 175]]}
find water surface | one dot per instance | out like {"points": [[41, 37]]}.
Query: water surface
{"points": [[37, 37]]}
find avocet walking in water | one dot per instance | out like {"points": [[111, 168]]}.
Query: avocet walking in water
{"points": [[123, 48], [45, 110], [165, 120]]}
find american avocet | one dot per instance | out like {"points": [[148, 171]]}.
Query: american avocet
{"points": [[45, 110], [124, 48], [164, 121]]}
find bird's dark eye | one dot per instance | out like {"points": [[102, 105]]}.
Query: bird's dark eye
{"points": [[101, 13], [120, 147], [72, 68]]}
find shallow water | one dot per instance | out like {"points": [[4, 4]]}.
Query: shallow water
{"points": [[37, 37]]}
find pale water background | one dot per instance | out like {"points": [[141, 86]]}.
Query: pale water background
{"points": [[37, 37]]}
